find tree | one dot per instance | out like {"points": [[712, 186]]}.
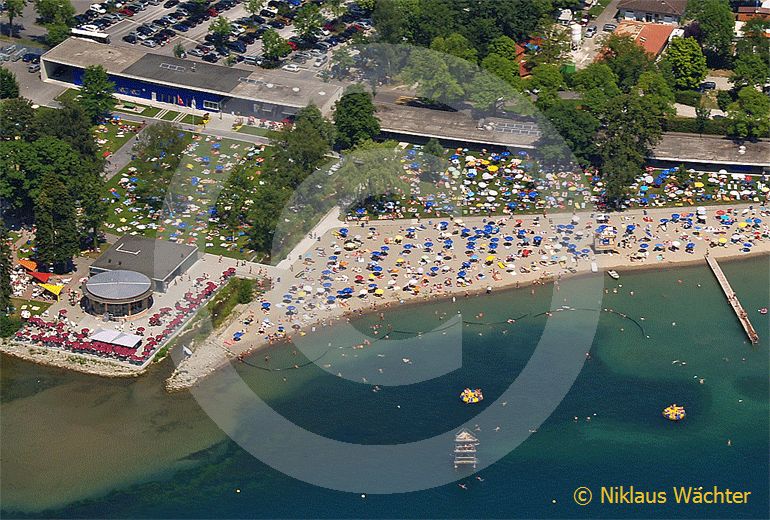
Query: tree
{"points": [[308, 21], [342, 62], [749, 116], [455, 44], [354, 118], [626, 59], [370, 171], [503, 68], [57, 33], [555, 44], [432, 76], [487, 92], [9, 87], [6, 264], [253, 7], [629, 129], [96, 93], [434, 161], [656, 95], [754, 40], [220, 29], [702, 116], [503, 46], [70, 124], [17, 120], [597, 85], [687, 62], [575, 131], [14, 9], [179, 51], [55, 11], [724, 98], [547, 78], [273, 46], [716, 23], [750, 70]]}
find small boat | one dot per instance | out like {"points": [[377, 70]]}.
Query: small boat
{"points": [[763, 310], [674, 412], [613, 274]]}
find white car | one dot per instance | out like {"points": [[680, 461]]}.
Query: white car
{"points": [[290, 68], [98, 8], [89, 27]]}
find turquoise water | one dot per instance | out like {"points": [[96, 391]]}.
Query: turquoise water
{"points": [[75, 446]]}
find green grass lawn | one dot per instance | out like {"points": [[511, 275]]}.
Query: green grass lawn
{"points": [[143, 111], [170, 115], [111, 137], [33, 306], [253, 130], [201, 174], [20, 42], [191, 119], [71, 94], [598, 8]]}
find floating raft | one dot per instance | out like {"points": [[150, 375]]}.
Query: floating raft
{"points": [[469, 396], [674, 412]]}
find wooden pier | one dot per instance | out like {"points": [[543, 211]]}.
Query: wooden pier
{"points": [[743, 317]]}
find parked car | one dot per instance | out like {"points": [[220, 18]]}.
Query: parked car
{"points": [[609, 27], [195, 52], [210, 57], [170, 3], [708, 85], [34, 67], [267, 14], [130, 38], [247, 38], [276, 24], [591, 31], [237, 46], [181, 27], [98, 8], [149, 42], [291, 67]]}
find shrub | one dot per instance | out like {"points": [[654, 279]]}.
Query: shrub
{"points": [[690, 125], [688, 97], [8, 325], [724, 98]]}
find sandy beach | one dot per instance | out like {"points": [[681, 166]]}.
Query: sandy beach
{"points": [[337, 277]]}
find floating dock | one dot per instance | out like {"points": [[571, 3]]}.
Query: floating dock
{"points": [[743, 317], [465, 449]]}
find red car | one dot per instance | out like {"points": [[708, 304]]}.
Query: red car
{"points": [[293, 45], [213, 12], [127, 12]]}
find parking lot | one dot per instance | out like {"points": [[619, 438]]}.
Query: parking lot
{"points": [[162, 26]]}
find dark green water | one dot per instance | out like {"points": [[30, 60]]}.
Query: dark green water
{"points": [[75, 446]]}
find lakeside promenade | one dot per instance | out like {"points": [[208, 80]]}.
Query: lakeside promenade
{"points": [[336, 277]]}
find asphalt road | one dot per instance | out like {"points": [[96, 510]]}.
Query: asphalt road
{"points": [[585, 55]]}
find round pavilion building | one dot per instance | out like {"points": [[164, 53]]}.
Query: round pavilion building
{"points": [[119, 293]]}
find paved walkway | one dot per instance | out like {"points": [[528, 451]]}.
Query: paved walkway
{"points": [[122, 155], [688, 111], [330, 221]]}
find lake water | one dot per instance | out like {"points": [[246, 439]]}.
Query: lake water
{"points": [[80, 446]]}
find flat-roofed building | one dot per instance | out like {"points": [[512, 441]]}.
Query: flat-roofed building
{"points": [[266, 94], [159, 260]]}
